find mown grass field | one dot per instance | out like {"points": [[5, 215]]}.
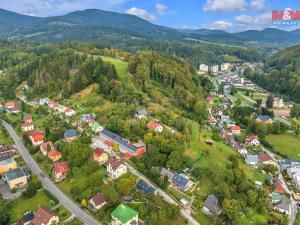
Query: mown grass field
{"points": [[21, 205], [287, 144]]}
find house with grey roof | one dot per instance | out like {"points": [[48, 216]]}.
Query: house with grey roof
{"points": [[211, 206], [284, 205], [167, 173], [141, 114], [15, 178], [252, 160]]}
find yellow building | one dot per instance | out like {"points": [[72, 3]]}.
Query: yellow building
{"points": [[6, 165], [15, 178]]}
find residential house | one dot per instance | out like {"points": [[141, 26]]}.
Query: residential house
{"points": [[10, 105], [145, 188], [283, 206], [98, 201], [235, 130], [27, 119], [51, 104], [100, 156], [214, 70], [182, 182], [157, 127], [203, 68], [288, 163], [54, 155], [116, 168], [296, 180], [225, 118], [225, 66], [44, 216], [15, 178], [293, 170], [211, 206], [47, 147], [6, 165], [252, 160], [96, 127], [275, 197], [27, 218], [56, 106], [36, 137], [124, 215], [167, 173], [277, 186], [141, 114], [85, 118], [7, 152], [210, 99], [70, 135], [69, 112], [278, 102], [61, 108], [134, 149], [27, 126], [60, 170], [252, 140], [266, 159], [263, 119]]}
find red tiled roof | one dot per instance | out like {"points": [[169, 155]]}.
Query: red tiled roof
{"points": [[27, 117], [99, 199], [42, 216], [54, 153], [98, 152], [37, 136], [153, 125], [264, 157], [235, 128], [9, 104], [45, 145], [61, 167], [279, 188], [251, 138], [115, 163], [68, 109]]}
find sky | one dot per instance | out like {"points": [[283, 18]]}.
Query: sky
{"points": [[229, 15]]}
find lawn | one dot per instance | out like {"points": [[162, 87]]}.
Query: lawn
{"points": [[121, 66], [62, 213], [287, 144], [21, 205], [4, 137], [244, 99]]}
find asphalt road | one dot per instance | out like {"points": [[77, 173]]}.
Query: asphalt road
{"points": [[47, 183]]}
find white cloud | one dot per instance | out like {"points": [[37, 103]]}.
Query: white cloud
{"points": [[161, 9], [219, 25], [257, 4], [225, 5], [141, 13], [258, 21]]}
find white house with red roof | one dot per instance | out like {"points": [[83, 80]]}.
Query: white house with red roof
{"points": [[116, 168], [50, 104], [27, 127], [69, 112], [54, 155], [36, 137], [235, 129], [252, 140], [157, 127], [100, 156], [60, 170], [27, 118], [266, 159], [98, 201], [46, 147], [10, 105]]}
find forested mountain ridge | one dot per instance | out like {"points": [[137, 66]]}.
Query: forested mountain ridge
{"points": [[282, 73], [94, 24]]}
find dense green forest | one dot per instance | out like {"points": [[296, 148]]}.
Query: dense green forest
{"points": [[281, 74]]}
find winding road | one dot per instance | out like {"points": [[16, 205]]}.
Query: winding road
{"points": [[46, 182]]}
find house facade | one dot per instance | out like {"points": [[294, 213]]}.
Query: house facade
{"points": [[100, 156], [60, 170], [36, 137], [98, 201], [7, 165], [157, 127], [116, 168], [15, 178], [44, 216], [27, 126]]}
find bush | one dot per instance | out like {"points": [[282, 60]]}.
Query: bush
{"points": [[51, 196]]}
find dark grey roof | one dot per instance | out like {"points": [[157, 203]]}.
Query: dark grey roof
{"points": [[122, 142], [284, 203], [142, 186], [263, 117], [14, 174], [165, 172], [211, 203], [70, 133], [180, 180]]}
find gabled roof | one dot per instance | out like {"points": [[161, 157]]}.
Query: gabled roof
{"points": [[251, 138], [27, 117], [115, 163], [235, 128], [142, 186], [27, 124], [165, 172], [153, 125], [142, 112], [98, 152], [124, 213], [284, 204], [37, 135], [264, 157], [180, 180], [99, 199], [252, 158], [45, 145], [9, 104], [42, 216], [70, 133], [54, 153], [61, 167], [211, 203], [263, 118], [275, 196]]}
